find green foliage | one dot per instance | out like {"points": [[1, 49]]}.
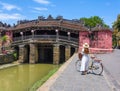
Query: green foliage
{"points": [[116, 31], [93, 21], [4, 38], [116, 24], [15, 55], [114, 41]]}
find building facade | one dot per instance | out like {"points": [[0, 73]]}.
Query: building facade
{"points": [[99, 39]]}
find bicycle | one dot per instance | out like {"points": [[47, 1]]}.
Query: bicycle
{"points": [[96, 66]]}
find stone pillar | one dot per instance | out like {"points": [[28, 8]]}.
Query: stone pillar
{"points": [[67, 52], [21, 54], [33, 57], [76, 50], [56, 54], [36, 53], [25, 56], [0, 50]]}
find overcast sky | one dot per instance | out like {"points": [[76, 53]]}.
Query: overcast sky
{"points": [[13, 10]]}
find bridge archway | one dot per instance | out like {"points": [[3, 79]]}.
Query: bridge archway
{"points": [[45, 53], [72, 51], [62, 53], [16, 48], [27, 53]]}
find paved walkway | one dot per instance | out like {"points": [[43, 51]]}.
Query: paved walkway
{"points": [[68, 79], [111, 62]]}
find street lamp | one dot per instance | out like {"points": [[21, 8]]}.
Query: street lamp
{"points": [[68, 35], [57, 35], [21, 33], [32, 31]]}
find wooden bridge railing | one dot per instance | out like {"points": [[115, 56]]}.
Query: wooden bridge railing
{"points": [[47, 37]]}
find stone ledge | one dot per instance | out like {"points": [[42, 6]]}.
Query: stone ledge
{"points": [[8, 65]]}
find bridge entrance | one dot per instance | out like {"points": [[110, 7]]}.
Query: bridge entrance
{"points": [[45, 54], [62, 54]]}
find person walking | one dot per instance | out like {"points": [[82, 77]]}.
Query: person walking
{"points": [[85, 59]]}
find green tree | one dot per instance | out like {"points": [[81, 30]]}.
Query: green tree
{"points": [[93, 21], [116, 24], [6, 42], [4, 39], [116, 32], [114, 40]]}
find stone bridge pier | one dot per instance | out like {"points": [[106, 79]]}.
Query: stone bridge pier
{"points": [[45, 53]]}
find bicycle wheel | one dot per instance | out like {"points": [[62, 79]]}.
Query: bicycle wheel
{"points": [[97, 68], [77, 65]]}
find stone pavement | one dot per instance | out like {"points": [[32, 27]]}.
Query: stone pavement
{"points": [[70, 80], [111, 62]]}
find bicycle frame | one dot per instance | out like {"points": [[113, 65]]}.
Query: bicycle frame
{"points": [[96, 66]]}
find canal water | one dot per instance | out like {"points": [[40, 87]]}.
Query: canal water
{"points": [[22, 77]]}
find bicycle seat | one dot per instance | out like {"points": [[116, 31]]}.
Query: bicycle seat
{"points": [[97, 60], [93, 57]]}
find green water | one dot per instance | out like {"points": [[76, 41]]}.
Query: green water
{"points": [[22, 77]]}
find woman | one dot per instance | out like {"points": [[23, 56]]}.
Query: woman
{"points": [[85, 59]]}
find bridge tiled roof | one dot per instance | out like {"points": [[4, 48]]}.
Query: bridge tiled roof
{"points": [[50, 23], [101, 28]]}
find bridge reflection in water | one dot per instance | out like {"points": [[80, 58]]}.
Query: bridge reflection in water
{"points": [[22, 77]]}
